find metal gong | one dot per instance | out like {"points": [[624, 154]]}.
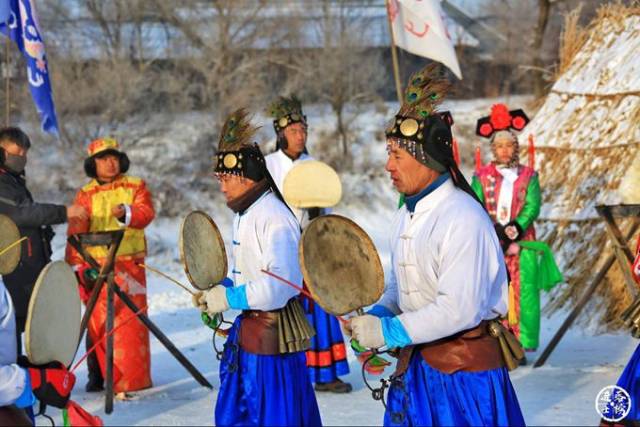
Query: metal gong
{"points": [[9, 251], [202, 250], [53, 319], [340, 265]]}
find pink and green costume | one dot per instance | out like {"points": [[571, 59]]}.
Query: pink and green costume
{"points": [[532, 268]]}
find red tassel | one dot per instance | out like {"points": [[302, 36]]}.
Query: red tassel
{"points": [[532, 153], [478, 159], [456, 153]]}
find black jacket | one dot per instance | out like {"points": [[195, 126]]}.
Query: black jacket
{"points": [[33, 221]]}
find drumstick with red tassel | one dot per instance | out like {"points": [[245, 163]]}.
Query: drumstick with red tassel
{"points": [[373, 363], [299, 288], [106, 334]]}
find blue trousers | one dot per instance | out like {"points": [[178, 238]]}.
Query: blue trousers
{"points": [[630, 381], [258, 390], [428, 397]]}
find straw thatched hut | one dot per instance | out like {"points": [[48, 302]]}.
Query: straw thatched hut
{"points": [[587, 136]]}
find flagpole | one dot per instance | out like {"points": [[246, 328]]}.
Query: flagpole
{"points": [[394, 55], [7, 81]]}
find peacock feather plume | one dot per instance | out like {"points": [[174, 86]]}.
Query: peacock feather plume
{"points": [[284, 106], [425, 91], [237, 131]]}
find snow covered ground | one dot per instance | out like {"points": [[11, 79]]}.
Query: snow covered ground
{"points": [[560, 393]]}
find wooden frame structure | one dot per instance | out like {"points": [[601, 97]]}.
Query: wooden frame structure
{"points": [[112, 240], [621, 253]]}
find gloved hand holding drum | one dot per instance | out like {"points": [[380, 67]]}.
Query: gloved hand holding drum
{"points": [[204, 258]]}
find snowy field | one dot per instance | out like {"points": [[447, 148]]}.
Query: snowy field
{"points": [[560, 393]]}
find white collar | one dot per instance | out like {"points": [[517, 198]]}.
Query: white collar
{"points": [[433, 199], [510, 174], [284, 156]]}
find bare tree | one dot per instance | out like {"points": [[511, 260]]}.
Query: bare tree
{"points": [[544, 7], [100, 65], [228, 41], [342, 69]]}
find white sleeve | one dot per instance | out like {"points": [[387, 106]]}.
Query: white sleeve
{"points": [[12, 383], [471, 283], [280, 256], [12, 377], [389, 298]]}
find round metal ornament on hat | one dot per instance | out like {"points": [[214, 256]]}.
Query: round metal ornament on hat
{"points": [[53, 319], [311, 184], [340, 265], [202, 250], [10, 249]]}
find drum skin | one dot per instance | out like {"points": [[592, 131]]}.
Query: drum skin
{"points": [[53, 321], [9, 234], [340, 265], [311, 184], [202, 250]]}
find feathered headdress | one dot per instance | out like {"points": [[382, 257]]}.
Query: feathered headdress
{"points": [[425, 92], [418, 127], [237, 131], [425, 132], [237, 153], [286, 111]]}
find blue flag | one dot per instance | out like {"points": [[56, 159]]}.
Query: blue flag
{"points": [[23, 29]]}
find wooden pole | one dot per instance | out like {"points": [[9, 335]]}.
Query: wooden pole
{"points": [[164, 340], [580, 305], [108, 404], [7, 77], [394, 55], [108, 267]]}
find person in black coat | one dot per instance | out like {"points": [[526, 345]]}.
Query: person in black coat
{"points": [[34, 221]]}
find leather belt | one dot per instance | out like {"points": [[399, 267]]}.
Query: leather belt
{"points": [[472, 350], [259, 332]]}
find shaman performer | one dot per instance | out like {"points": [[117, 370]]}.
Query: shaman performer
{"points": [[510, 192], [290, 125], [115, 201], [448, 281], [263, 374], [33, 219], [327, 357]]}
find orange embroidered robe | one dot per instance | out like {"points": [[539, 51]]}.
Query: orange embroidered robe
{"points": [[132, 357]]}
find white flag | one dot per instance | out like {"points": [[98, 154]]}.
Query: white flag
{"points": [[418, 27]]}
